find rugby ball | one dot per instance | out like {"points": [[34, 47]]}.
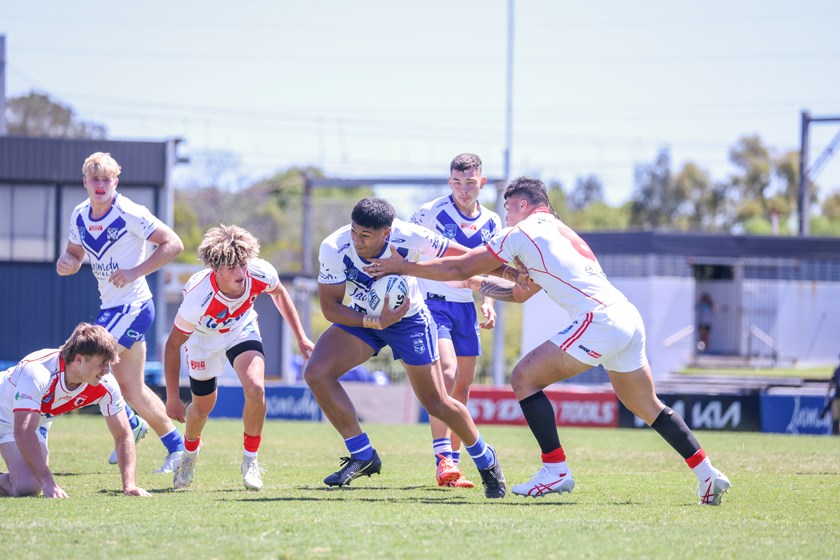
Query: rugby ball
{"points": [[394, 286]]}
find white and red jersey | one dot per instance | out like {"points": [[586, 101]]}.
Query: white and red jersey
{"points": [[559, 261], [340, 264], [210, 311], [39, 383], [115, 241], [443, 216]]}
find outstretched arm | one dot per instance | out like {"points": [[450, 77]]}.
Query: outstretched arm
{"points": [[476, 261]]}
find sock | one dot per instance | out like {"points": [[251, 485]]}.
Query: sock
{"points": [[701, 465], [133, 419], [359, 447], [173, 441], [539, 414], [252, 444], [456, 456], [442, 446], [192, 445], [674, 430], [481, 454], [555, 461]]}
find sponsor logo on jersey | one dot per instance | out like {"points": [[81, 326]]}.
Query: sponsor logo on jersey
{"points": [[19, 396], [206, 299], [468, 226], [343, 247], [351, 274], [221, 314], [133, 335], [95, 227], [449, 231], [48, 398], [592, 353], [113, 233], [570, 327], [197, 365], [82, 231], [80, 400]]}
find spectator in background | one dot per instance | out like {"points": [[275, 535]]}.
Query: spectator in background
{"points": [[705, 309]]}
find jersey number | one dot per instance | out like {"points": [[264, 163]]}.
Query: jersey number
{"points": [[578, 243]]}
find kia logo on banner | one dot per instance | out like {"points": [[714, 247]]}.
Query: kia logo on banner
{"points": [[586, 409], [706, 412]]}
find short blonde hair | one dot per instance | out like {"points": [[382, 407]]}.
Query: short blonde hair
{"points": [[101, 163], [90, 340], [226, 246]]}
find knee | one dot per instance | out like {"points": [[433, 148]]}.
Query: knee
{"points": [[437, 407], [316, 376], [202, 407], [254, 392], [519, 382], [27, 489]]}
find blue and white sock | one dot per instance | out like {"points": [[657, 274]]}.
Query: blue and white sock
{"points": [[359, 447], [133, 419], [481, 454], [442, 446], [173, 441]]}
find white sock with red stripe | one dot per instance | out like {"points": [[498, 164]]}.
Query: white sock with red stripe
{"points": [[555, 461], [701, 465]]}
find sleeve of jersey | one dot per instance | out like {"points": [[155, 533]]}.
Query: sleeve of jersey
{"points": [[141, 222], [32, 384], [74, 235], [190, 311], [420, 216], [113, 402], [265, 272], [331, 270], [427, 241], [502, 245]]}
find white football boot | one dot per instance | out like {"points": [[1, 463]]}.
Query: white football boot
{"points": [[545, 482], [711, 490]]}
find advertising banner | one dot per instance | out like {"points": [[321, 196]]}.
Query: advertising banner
{"points": [[794, 414], [706, 412], [284, 403]]}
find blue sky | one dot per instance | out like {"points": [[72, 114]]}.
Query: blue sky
{"points": [[393, 88]]}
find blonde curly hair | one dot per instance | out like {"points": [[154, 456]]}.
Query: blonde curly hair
{"points": [[227, 246]]}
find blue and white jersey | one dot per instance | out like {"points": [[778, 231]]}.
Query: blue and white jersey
{"points": [[341, 264], [114, 241], [443, 216]]}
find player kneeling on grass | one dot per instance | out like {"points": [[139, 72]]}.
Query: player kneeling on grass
{"points": [[217, 320], [52, 382], [606, 330]]}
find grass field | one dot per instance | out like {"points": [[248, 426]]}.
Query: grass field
{"points": [[634, 499]]}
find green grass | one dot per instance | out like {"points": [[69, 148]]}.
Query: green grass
{"points": [[634, 499]]}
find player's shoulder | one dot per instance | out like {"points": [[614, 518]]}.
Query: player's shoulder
{"points": [[437, 203], [197, 279], [125, 205], [262, 270], [338, 240], [490, 214], [82, 208], [110, 383]]}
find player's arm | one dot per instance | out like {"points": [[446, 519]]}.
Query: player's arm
{"points": [[331, 297], [70, 260], [126, 453], [169, 246], [283, 303], [501, 290], [29, 444], [178, 336], [472, 263]]}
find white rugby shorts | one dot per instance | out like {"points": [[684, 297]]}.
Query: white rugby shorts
{"points": [[205, 353], [613, 337]]}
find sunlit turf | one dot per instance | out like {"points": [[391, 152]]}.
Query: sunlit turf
{"points": [[634, 499]]}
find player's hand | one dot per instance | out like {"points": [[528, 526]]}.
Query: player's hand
{"points": [[390, 316], [136, 491], [489, 313], [122, 278], [392, 265], [55, 491], [176, 410], [306, 346], [67, 264]]}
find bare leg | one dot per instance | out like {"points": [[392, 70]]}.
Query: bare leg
{"points": [[129, 374], [542, 366], [427, 383], [336, 352], [250, 367], [636, 391], [197, 413], [19, 481]]}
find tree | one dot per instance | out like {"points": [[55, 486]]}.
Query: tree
{"points": [[588, 190], [35, 114], [653, 201]]}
